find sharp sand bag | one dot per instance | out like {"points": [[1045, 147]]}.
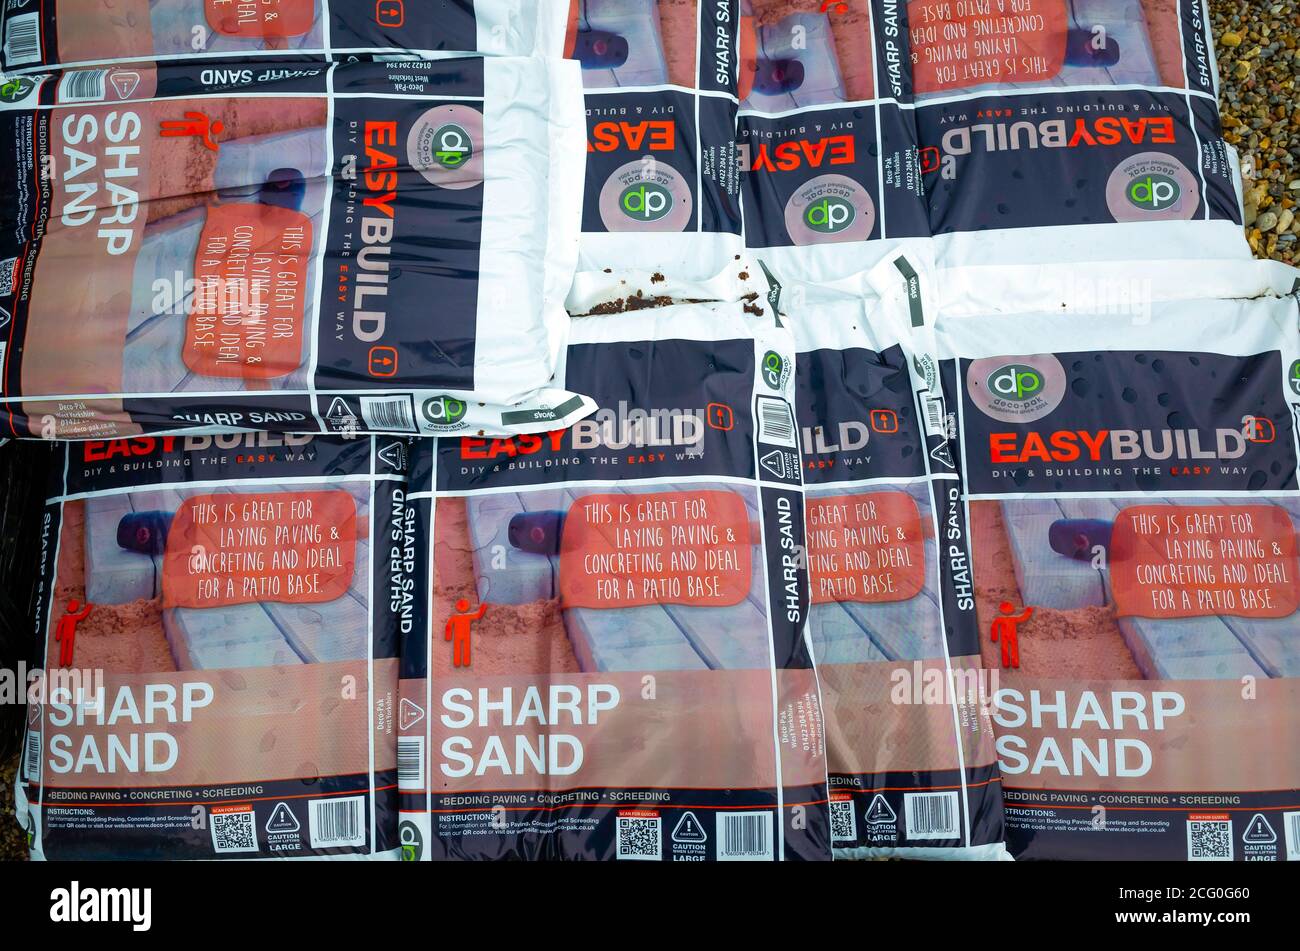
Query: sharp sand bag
{"points": [[1069, 130], [616, 664], [909, 741], [371, 247], [662, 203], [100, 32], [218, 639], [1133, 507], [829, 169]]}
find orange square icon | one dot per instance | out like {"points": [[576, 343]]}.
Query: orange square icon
{"points": [[390, 13], [383, 361], [720, 416], [884, 421]]}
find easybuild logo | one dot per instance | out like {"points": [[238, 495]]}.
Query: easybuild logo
{"points": [[1153, 192], [1015, 382], [444, 411], [646, 201], [453, 146], [829, 216]]}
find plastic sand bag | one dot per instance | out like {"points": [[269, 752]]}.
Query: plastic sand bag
{"points": [[356, 248], [829, 165], [613, 663], [909, 740], [662, 203], [217, 646], [100, 32], [1131, 493], [1071, 130]]}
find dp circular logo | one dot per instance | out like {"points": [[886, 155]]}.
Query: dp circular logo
{"points": [[829, 208], [442, 146], [1152, 186], [646, 201], [1016, 389], [645, 195], [443, 411], [829, 216], [411, 840], [1294, 378], [452, 146], [773, 369]]}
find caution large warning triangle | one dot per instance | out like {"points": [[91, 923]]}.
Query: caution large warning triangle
{"points": [[688, 829], [1259, 832], [880, 812], [282, 820]]}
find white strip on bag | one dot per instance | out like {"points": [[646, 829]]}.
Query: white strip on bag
{"points": [[829, 165], [217, 645], [913, 773], [62, 33], [369, 247], [662, 203], [1071, 130], [613, 662], [1131, 493]]}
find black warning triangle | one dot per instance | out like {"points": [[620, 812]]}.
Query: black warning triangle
{"points": [[880, 811], [688, 829], [282, 820], [1259, 832]]}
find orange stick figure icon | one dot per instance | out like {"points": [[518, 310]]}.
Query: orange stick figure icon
{"points": [[1006, 629], [458, 631], [194, 123], [65, 632]]}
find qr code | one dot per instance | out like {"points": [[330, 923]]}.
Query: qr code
{"points": [[844, 824], [640, 837], [234, 831], [8, 276], [1209, 840]]}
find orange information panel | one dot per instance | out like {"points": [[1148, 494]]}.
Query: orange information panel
{"points": [[260, 18], [958, 45], [289, 547], [250, 272], [1174, 561], [621, 551], [868, 547]]}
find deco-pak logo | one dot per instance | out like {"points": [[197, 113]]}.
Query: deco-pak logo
{"points": [[1015, 382], [1154, 192], [829, 216], [1016, 389], [646, 201], [1294, 378], [773, 369], [443, 411], [453, 146]]}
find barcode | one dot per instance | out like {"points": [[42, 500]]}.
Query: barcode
{"points": [[775, 424], [388, 415], [744, 836], [23, 39], [931, 815], [335, 822], [83, 85], [32, 757], [410, 762], [1291, 829], [936, 421]]}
